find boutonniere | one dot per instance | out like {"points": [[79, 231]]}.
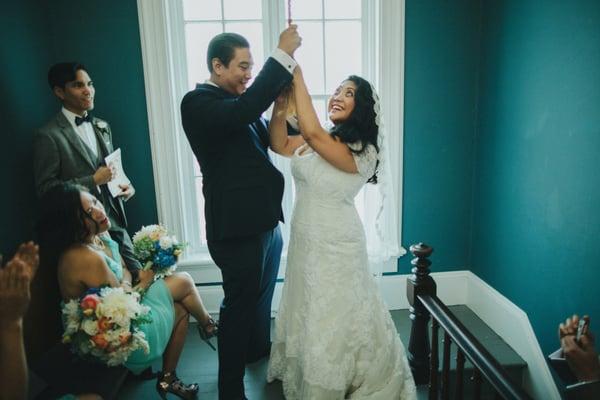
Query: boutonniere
{"points": [[102, 126]]}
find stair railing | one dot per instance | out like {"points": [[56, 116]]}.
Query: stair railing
{"points": [[423, 357]]}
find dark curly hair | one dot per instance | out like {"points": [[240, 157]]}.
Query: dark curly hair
{"points": [[360, 125], [61, 221]]}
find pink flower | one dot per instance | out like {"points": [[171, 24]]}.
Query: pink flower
{"points": [[89, 304]]}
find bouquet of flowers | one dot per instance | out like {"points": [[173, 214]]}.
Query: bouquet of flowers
{"points": [[156, 250], [104, 324]]}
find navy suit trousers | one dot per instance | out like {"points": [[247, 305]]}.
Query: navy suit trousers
{"points": [[249, 266]]}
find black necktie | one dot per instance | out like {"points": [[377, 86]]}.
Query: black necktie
{"points": [[81, 120]]}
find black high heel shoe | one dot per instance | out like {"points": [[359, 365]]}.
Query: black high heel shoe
{"points": [[206, 332], [170, 383]]}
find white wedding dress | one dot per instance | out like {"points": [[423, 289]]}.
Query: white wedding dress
{"points": [[334, 337]]}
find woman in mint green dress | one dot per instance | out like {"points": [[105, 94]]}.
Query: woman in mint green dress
{"points": [[74, 236]]}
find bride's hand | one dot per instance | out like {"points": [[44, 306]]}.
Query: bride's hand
{"points": [[282, 100]]}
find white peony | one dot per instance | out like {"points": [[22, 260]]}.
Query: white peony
{"points": [[71, 317], [165, 242], [71, 308], [154, 232], [112, 337], [90, 326], [139, 338], [71, 326], [120, 306]]}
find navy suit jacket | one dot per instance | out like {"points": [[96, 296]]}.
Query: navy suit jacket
{"points": [[242, 189]]}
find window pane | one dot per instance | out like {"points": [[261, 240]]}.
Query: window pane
{"points": [[201, 10], [305, 9], [320, 108], [242, 9], [252, 31], [200, 205], [310, 56], [338, 9], [197, 37], [343, 51]]}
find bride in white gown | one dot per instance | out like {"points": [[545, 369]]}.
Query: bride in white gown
{"points": [[334, 337]]}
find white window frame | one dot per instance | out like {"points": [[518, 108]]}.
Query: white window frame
{"points": [[165, 77]]}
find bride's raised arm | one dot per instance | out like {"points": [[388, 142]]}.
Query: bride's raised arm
{"points": [[280, 142], [330, 148]]}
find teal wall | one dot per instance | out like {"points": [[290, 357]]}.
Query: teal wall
{"points": [[24, 105], [536, 230], [501, 134], [108, 43], [105, 37], [441, 86]]}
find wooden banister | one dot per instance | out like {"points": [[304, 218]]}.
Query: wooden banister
{"points": [[423, 358]]}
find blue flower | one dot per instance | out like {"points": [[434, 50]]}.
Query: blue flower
{"points": [[163, 259], [92, 291]]}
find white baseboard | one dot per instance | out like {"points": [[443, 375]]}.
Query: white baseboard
{"points": [[451, 289], [454, 288]]}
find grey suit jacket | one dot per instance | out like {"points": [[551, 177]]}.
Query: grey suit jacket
{"points": [[61, 156]]}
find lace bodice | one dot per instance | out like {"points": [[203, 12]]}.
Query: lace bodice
{"points": [[314, 174]]}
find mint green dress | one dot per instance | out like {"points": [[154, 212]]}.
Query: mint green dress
{"points": [[162, 312]]}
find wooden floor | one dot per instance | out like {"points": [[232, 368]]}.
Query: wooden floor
{"points": [[199, 363]]}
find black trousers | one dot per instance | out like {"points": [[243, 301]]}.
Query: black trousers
{"points": [[249, 267]]}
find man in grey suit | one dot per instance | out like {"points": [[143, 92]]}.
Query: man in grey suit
{"points": [[71, 147]]}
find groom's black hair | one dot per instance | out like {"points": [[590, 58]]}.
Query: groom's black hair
{"points": [[61, 73], [361, 126], [223, 47]]}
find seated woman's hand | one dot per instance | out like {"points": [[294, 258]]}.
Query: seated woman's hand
{"points": [[28, 253], [14, 292], [146, 278]]}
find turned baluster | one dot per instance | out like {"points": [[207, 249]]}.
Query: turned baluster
{"points": [[419, 283], [460, 368], [433, 382], [446, 367]]}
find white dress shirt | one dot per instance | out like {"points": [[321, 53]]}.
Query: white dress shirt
{"points": [[284, 59], [85, 131]]}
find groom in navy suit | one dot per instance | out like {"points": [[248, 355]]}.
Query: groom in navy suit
{"points": [[242, 190]]}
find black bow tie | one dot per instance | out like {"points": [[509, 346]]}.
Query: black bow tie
{"points": [[81, 120]]}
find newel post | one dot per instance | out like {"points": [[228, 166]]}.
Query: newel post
{"points": [[419, 283]]}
